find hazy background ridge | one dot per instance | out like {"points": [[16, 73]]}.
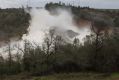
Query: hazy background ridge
{"points": [[102, 4]]}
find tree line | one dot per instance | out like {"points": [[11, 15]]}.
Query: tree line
{"points": [[98, 53]]}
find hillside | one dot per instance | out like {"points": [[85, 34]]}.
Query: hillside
{"points": [[88, 14], [98, 53], [13, 23]]}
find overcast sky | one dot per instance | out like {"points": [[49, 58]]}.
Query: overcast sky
{"points": [[108, 4]]}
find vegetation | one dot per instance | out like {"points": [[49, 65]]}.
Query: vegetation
{"points": [[116, 21], [64, 76], [53, 6], [81, 76], [58, 56], [86, 13], [13, 23], [99, 53]]}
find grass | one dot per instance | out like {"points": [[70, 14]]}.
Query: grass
{"points": [[80, 76], [64, 76]]}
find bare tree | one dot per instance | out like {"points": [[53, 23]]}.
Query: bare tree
{"points": [[9, 49], [48, 42], [100, 29]]}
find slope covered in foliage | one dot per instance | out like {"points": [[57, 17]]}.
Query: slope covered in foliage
{"points": [[13, 23], [86, 13], [99, 53]]}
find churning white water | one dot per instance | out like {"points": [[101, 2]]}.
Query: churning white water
{"points": [[42, 21]]}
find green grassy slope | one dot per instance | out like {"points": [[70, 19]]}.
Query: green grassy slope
{"points": [[81, 76], [64, 76]]}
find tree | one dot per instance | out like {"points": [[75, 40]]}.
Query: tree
{"points": [[116, 22], [1, 65], [26, 57], [9, 55], [99, 28]]}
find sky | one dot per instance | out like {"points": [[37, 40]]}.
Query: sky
{"points": [[101, 4]]}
